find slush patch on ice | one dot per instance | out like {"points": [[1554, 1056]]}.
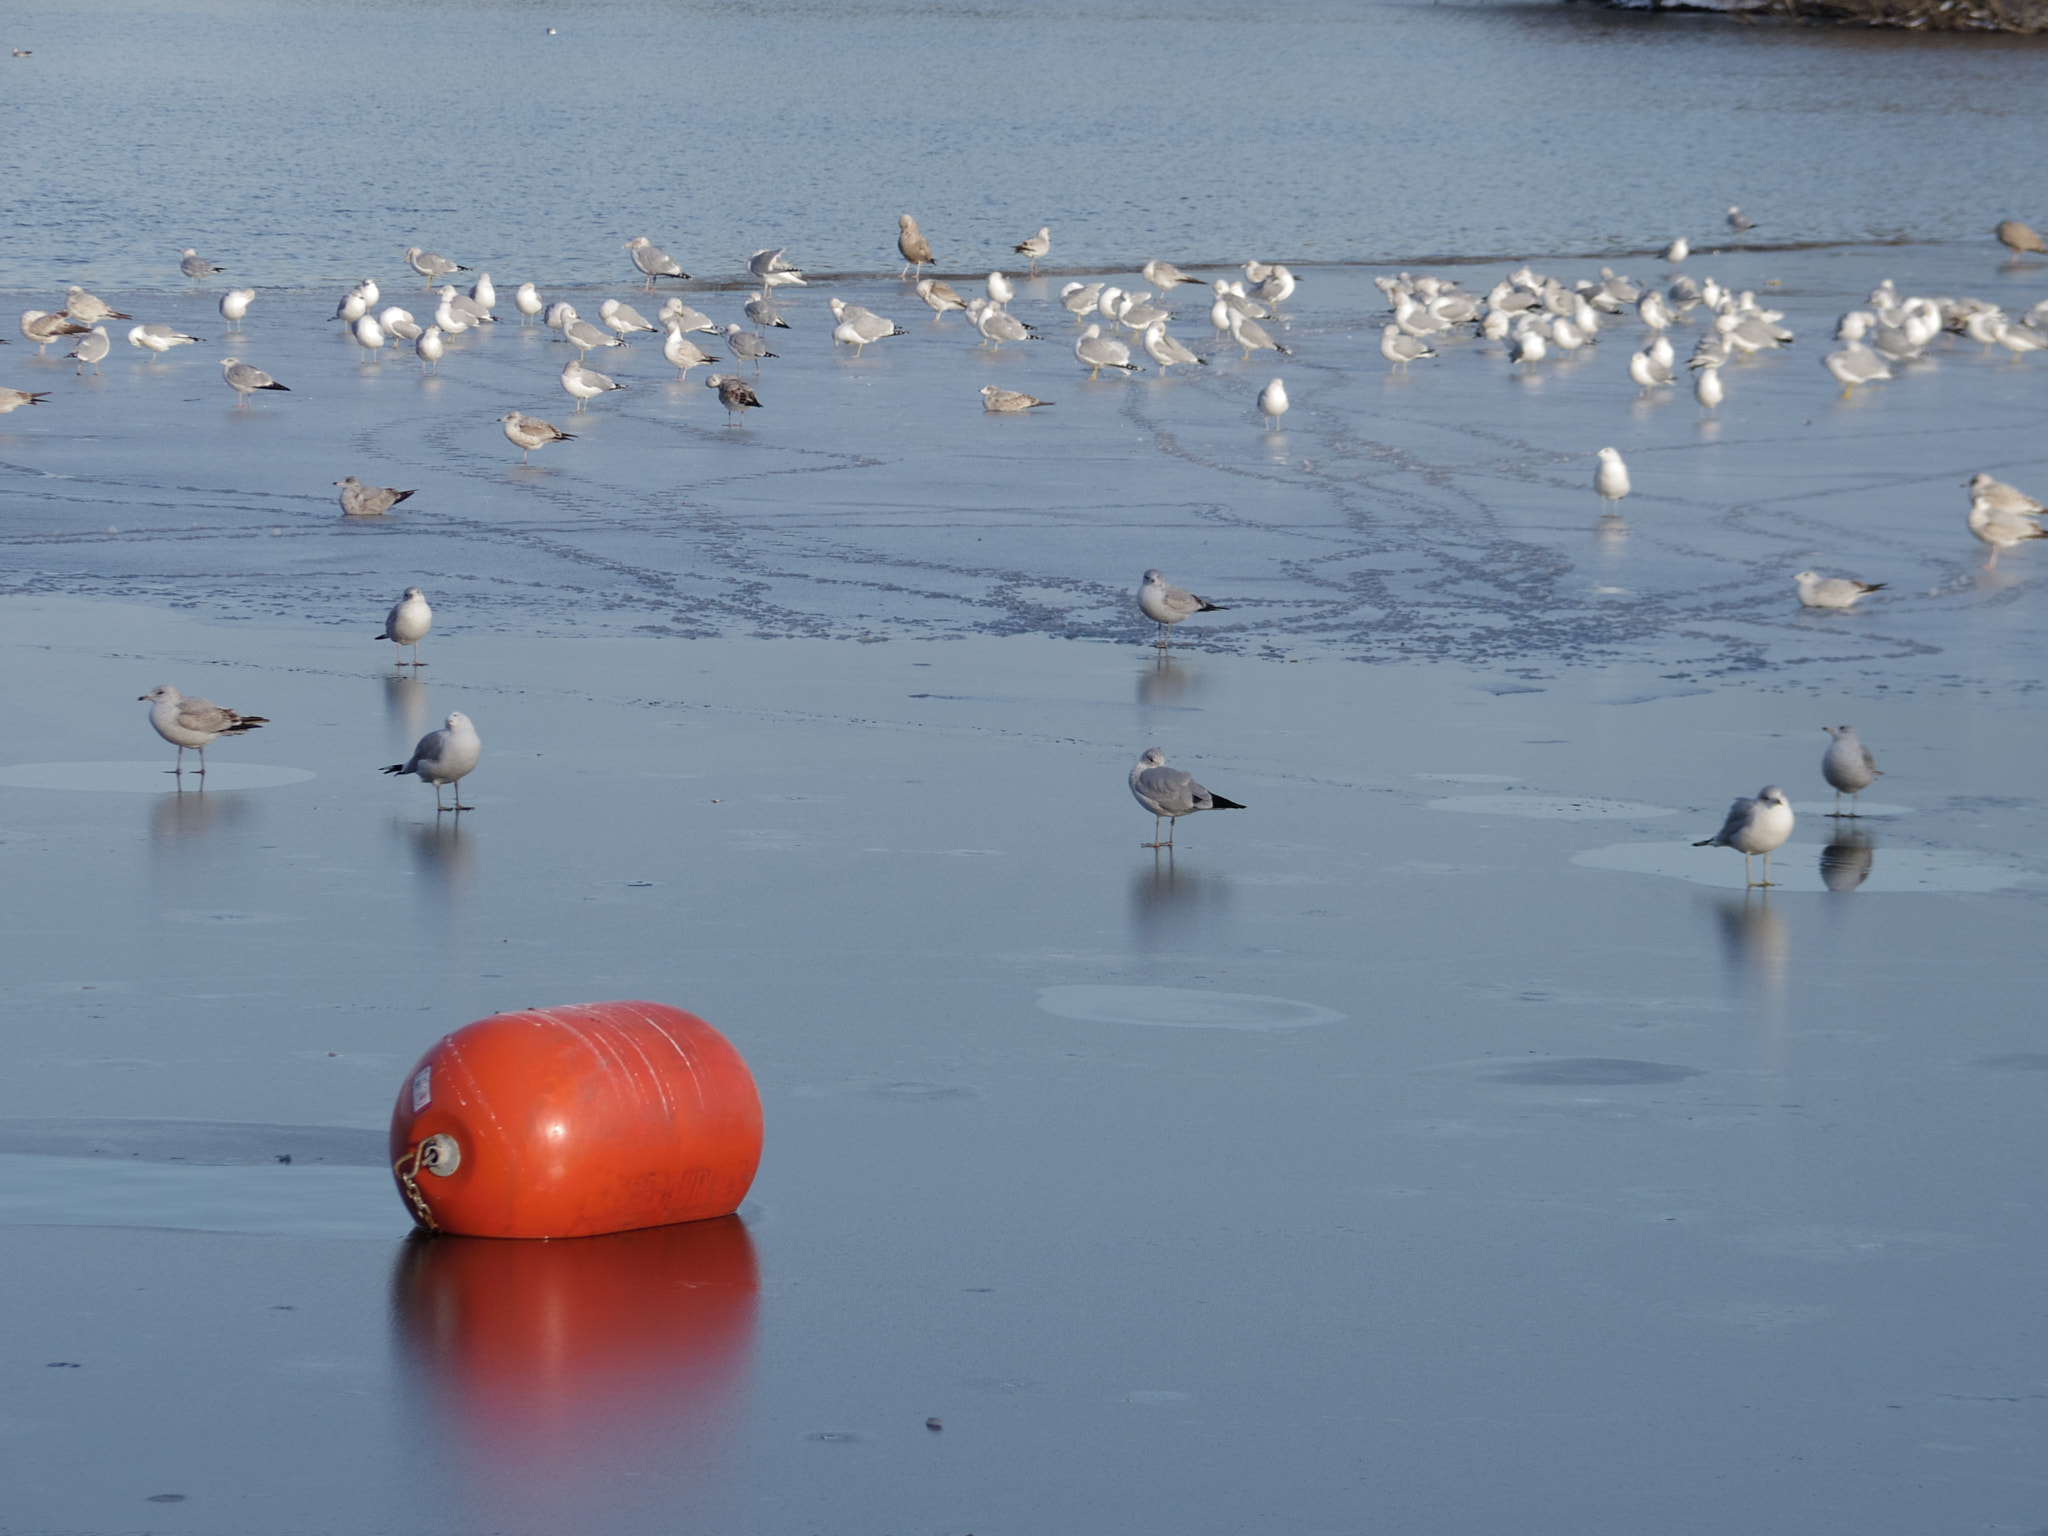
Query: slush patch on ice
{"points": [[1551, 807], [1806, 867], [1181, 1008], [1651, 698], [150, 778], [1596, 1072], [228, 919], [1467, 778], [1155, 1397]]}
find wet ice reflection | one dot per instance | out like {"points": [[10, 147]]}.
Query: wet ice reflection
{"points": [[1173, 908], [192, 813], [589, 1373], [1846, 862], [405, 706]]}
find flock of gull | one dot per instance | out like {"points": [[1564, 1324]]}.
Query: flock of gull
{"points": [[1531, 316]]}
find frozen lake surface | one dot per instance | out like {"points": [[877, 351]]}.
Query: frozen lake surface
{"points": [[1440, 1144]]}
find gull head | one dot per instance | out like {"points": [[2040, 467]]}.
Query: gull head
{"points": [[1771, 794], [349, 480], [458, 721], [1153, 758], [162, 693], [1608, 455], [412, 592]]}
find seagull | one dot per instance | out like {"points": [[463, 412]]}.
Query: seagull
{"points": [[940, 296], [735, 394], [1855, 364], [997, 325], [1646, 371], [2001, 530], [676, 313], [584, 336], [1166, 605], [408, 622], [451, 320], [683, 352], [195, 723], [472, 311], [1611, 478], [653, 261], [399, 324], [1170, 793], [1739, 221], [360, 500], [586, 384], [485, 294], [430, 348], [1677, 250], [1401, 349], [1035, 246], [2001, 497], [245, 379], [745, 344], [196, 266], [1097, 352], [1528, 347], [1707, 388], [92, 346], [1081, 299], [83, 309], [429, 265], [2018, 238], [42, 329], [1250, 335], [1817, 591], [1000, 289], [1273, 404], [446, 756], [353, 306], [1848, 766], [1164, 275], [911, 242], [528, 301], [623, 318], [1000, 400], [760, 309], [1753, 827], [1165, 351], [773, 271], [369, 336], [15, 399], [234, 304], [530, 432], [858, 327]]}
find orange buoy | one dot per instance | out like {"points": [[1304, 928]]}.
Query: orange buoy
{"points": [[567, 1122]]}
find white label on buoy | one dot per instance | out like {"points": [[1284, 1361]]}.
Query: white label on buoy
{"points": [[422, 1089]]}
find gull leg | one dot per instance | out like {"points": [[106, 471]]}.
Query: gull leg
{"points": [[1767, 869], [1855, 800], [202, 762], [1747, 879], [1838, 803]]}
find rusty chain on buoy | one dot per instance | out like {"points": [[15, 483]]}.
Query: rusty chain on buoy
{"points": [[437, 1154]]}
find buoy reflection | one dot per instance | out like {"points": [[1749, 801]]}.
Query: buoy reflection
{"points": [[558, 1369]]}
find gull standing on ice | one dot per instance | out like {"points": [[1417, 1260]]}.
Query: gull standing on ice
{"points": [[1273, 404], [1739, 221], [530, 432], [1611, 478], [408, 622], [911, 242], [1002, 400], [429, 265], [683, 352], [1165, 604], [1817, 591], [1164, 275], [1707, 388], [1035, 246], [1401, 349], [526, 298], [623, 318], [194, 723], [760, 309], [773, 271], [360, 500], [1165, 350], [1080, 299], [859, 327], [653, 261], [196, 266], [430, 348], [586, 337], [1170, 793], [1848, 766], [245, 379], [42, 329], [675, 312], [234, 304], [2018, 238], [747, 346], [1753, 827], [940, 296], [85, 309], [997, 325], [1250, 335], [1677, 250], [369, 336], [2001, 530], [446, 756], [92, 346], [1000, 289], [1097, 352], [735, 394], [586, 384]]}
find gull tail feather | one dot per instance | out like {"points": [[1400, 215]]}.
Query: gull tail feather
{"points": [[1218, 803]]}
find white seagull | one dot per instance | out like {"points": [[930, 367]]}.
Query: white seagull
{"points": [[1753, 827], [446, 756], [1171, 793], [195, 723]]}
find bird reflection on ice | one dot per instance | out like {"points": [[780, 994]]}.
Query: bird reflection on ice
{"points": [[1174, 908], [189, 812], [1755, 938], [554, 1375], [405, 706], [1166, 682], [1846, 862], [444, 854]]}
